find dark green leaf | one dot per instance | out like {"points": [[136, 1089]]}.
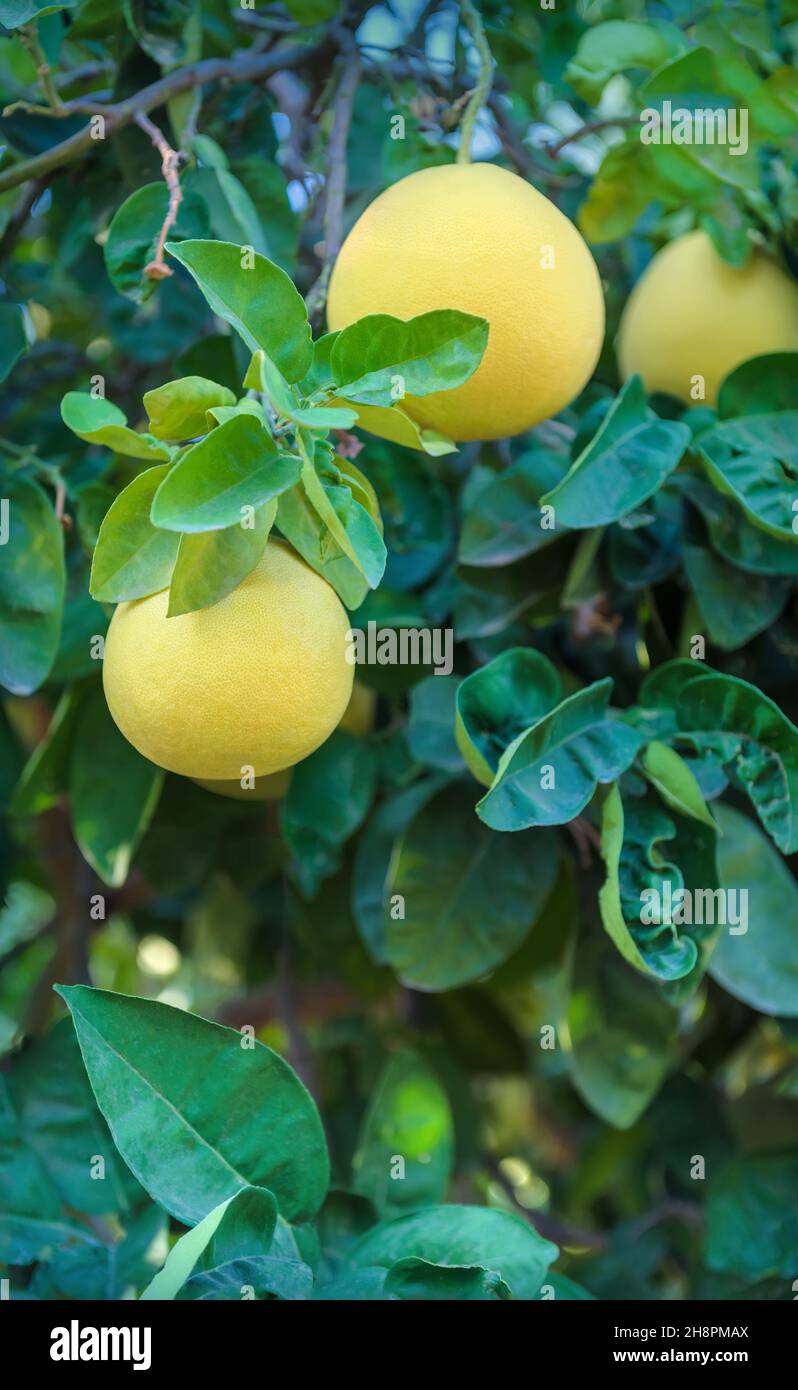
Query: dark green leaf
{"points": [[548, 775], [256, 297], [458, 926], [113, 790], [250, 1123], [31, 587], [628, 459], [760, 964], [462, 1236]]}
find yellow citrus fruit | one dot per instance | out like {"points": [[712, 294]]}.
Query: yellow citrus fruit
{"points": [[358, 719], [692, 314], [258, 680], [478, 238], [272, 787]]}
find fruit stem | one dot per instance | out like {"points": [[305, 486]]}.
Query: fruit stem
{"points": [[473, 22]]}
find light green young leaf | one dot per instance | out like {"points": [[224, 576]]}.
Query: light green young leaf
{"points": [[379, 359], [234, 467], [177, 410], [98, 421], [675, 782], [213, 563], [132, 557]]}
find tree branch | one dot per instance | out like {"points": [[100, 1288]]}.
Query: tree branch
{"points": [[589, 128], [242, 67], [335, 192]]}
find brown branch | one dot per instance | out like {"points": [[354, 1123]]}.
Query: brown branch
{"points": [[156, 269], [242, 67], [590, 128], [335, 192]]}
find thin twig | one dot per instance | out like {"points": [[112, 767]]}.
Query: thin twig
{"points": [[156, 269], [473, 22], [589, 128], [335, 192]]}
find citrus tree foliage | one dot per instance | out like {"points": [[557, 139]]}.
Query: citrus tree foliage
{"points": [[403, 1032]]}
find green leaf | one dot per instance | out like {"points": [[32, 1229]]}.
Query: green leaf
{"points": [[753, 460], [423, 1280], [735, 606], [396, 425], [210, 565], [504, 522], [674, 781], [620, 1035], [460, 1236], [99, 421], [379, 359], [736, 539], [373, 859], [132, 557], [59, 1121], [548, 774], [327, 801], [408, 1117], [241, 1225], [756, 740], [197, 1110], [113, 790], [234, 467], [13, 13], [659, 935], [45, 774], [177, 409], [458, 926], [258, 300], [500, 701], [761, 385], [752, 1222], [13, 341], [626, 462], [616, 46], [758, 965], [431, 725], [262, 1276], [234, 217], [134, 232], [31, 587]]}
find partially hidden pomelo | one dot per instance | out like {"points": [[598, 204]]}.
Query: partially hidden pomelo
{"points": [[478, 238], [357, 719], [258, 680], [691, 314]]}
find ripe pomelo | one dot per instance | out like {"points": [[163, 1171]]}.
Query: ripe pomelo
{"points": [[259, 679], [692, 314], [478, 238], [357, 719]]}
